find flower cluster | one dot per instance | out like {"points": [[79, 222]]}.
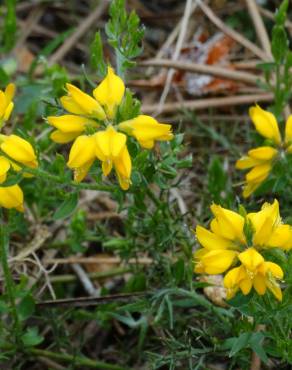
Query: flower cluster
{"points": [[92, 125], [261, 159], [14, 152], [234, 239]]}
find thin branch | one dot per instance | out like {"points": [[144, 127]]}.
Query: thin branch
{"points": [[205, 69], [82, 28], [210, 103], [232, 33], [259, 27], [181, 38]]}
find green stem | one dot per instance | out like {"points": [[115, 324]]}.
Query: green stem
{"points": [[38, 172], [119, 62], [81, 361], [9, 283]]}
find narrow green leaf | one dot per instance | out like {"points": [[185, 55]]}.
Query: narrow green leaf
{"points": [[67, 207]]}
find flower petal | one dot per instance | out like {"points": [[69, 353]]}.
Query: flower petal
{"points": [[20, 150], [265, 123], [251, 259], [70, 123], [110, 92], [11, 197], [259, 173], [246, 162], [123, 167], [265, 153], [230, 224], [86, 102], [288, 130], [82, 151], [210, 240], [146, 129], [62, 137]]}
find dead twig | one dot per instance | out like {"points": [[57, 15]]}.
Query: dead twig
{"points": [[232, 33], [259, 27], [205, 69], [97, 260], [210, 103], [181, 38], [82, 28]]}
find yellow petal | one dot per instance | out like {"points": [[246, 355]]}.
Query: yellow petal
{"points": [[281, 237], [268, 211], [265, 153], [288, 130], [10, 92], [259, 173], [232, 278], [11, 197], [230, 224], [246, 162], [4, 168], [110, 92], [8, 111], [146, 129], [210, 240], [82, 151], [62, 137], [250, 188], [245, 285], [70, 123], [20, 150], [276, 290], [265, 123], [259, 283], [251, 259], [86, 102], [217, 261], [81, 172], [123, 167], [71, 106], [109, 144]]}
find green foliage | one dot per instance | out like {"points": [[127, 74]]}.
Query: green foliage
{"points": [[170, 323], [124, 34]]}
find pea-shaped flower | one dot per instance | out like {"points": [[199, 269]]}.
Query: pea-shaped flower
{"points": [[260, 160], [234, 239], [92, 124]]}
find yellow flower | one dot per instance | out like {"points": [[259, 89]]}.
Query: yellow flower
{"points": [[221, 243], [11, 197], [268, 229], [254, 272], [111, 149], [91, 123], [82, 155], [146, 130], [261, 159], [19, 150], [6, 103], [265, 123], [110, 92], [226, 244]]}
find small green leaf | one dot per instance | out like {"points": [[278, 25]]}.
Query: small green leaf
{"points": [[67, 207], [279, 43], [96, 56], [239, 343], [31, 338], [26, 307], [281, 14], [255, 342]]}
